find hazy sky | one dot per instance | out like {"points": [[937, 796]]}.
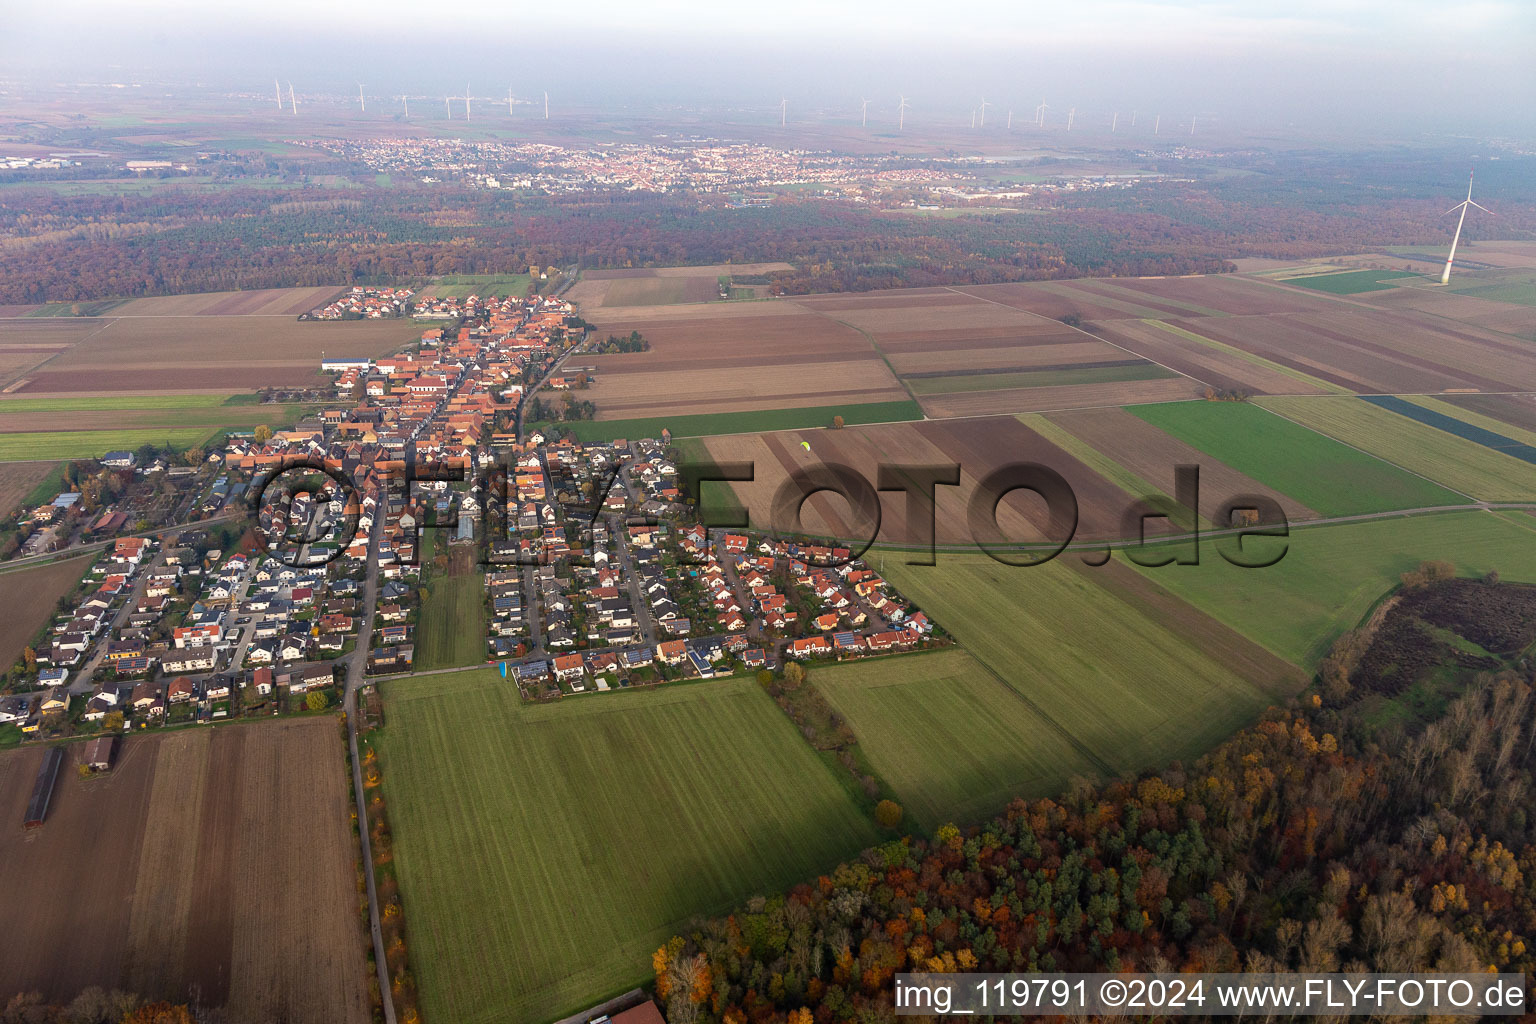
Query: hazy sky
{"points": [[1439, 62]]}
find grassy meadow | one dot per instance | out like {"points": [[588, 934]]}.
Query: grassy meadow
{"points": [[544, 851]]}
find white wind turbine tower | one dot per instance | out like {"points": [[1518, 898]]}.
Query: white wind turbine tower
{"points": [[466, 102], [362, 104], [291, 101], [864, 115], [983, 108], [1192, 119], [509, 101], [407, 101], [1071, 114], [546, 104], [1133, 119], [783, 111], [1157, 125], [1445, 275], [1010, 120], [1114, 122], [448, 105], [973, 117], [278, 86], [1040, 114], [901, 115]]}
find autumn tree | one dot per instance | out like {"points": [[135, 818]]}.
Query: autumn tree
{"points": [[316, 700], [837, 423], [888, 813], [794, 675], [262, 434]]}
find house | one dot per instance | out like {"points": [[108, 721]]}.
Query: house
{"points": [[197, 636], [52, 677], [569, 667], [118, 460], [809, 647], [144, 697], [55, 701], [671, 652], [15, 709], [129, 550], [180, 690], [193, 659], [261, 679], [310, 677]]}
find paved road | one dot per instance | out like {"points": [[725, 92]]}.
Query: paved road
{"points": [[96, 545], [357, 667]]}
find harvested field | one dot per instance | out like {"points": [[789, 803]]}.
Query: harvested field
{"points": [[1380, 353], [599, 824], [1151, 455], [1065, 396], [744, 421], [978, 446], [1458, 463], [1317, 471], [228, 353], [28, 343], [27, 602], [970, 353], [261, 302], [955, 742], [1130, 676], [1223, 367], [212, 866], [1508, 317], [18, 480], [780, 357], [1122, 371]]}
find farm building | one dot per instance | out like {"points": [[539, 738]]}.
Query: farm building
{"points": [[99, 753], [42, 789]]}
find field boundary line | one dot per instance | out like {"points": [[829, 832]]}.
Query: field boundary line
{"points": [[1251, 358]]}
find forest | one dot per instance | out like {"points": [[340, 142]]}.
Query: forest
{"points": [[62, 247], [1337, 834]]}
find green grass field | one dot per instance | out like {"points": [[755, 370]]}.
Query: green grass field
{"points": [[1351, 282], [544, 851], [1517, 286], [1317, 471], [742, 422], [1131, 686], [1466, 466], [953, 741], [71, 403], [988, 381], [451, 630], [1331, 575], [481, 285], [91, 444]]}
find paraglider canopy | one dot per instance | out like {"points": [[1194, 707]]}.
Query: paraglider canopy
{"points": [[806, 445]]}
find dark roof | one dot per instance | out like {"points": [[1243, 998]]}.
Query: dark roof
{"points": [[42, 789]]}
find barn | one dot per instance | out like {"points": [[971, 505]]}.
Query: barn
{"points": [[99, 753], [42, 789]]}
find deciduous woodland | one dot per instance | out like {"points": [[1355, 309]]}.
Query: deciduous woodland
{"points": [[1339, 835], [70, 247]]}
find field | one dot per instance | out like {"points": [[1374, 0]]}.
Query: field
{"points": [[216, 353], [996, 380], [1331, 575], [978, 446], [19, 481], [660, 285], [1321, 473], [53, 445], [451, 630], [953, 741], [1350, 282], [125, 413], [213, 865], [27, 600], [744, 422], [1463, 465], [1127, 675], [544, 851], [479, 284], [287, 302]]}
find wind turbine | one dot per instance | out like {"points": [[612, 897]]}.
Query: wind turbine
{"points": [[1070, 115], [1445, 275], [783, 111], [546, 104], [407, 101], [983, 108], [277, 86], [1157, 125], [1133, 119], [361, 103], [466, 102], [1114, 122], [1040, 114], [509, 101], [1192, 119], [901, 115], [448, 104], [973, 117], [864, 115], [291, 101], [1010, 120]]}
